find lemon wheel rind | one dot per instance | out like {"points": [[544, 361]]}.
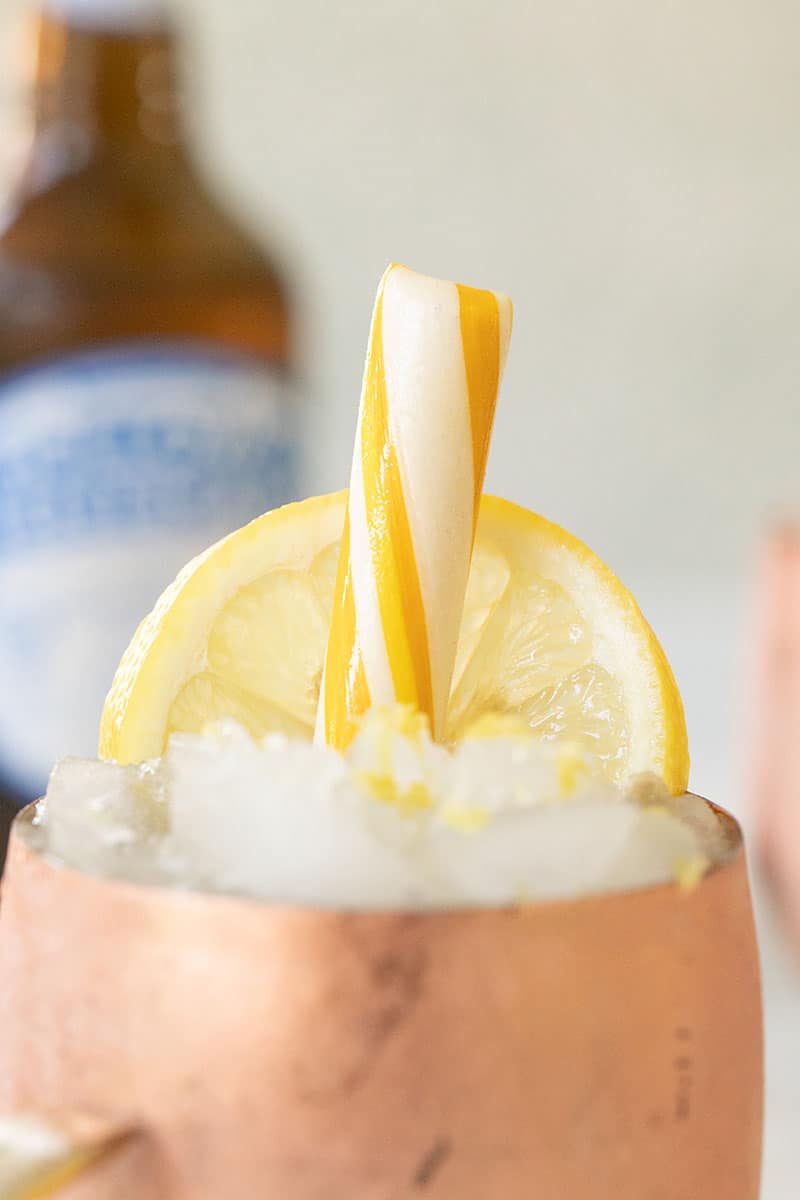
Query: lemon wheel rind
{"points": [[170, 646]]}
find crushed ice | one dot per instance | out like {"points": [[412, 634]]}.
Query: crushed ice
{"points": [[397, 823]]}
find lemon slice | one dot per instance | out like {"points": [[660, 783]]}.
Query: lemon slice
{"points": [[548, 634]]}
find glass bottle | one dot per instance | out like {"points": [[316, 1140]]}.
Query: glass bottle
{"points": [[145, 350]]}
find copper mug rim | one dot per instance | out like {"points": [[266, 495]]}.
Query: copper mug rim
{"points": [[23, 826], [382, 1031]]}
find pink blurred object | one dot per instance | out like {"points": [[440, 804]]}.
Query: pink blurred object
{"points": [[775, 714]]}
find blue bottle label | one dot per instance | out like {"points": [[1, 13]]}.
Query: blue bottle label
{"points": [[115, 469]]}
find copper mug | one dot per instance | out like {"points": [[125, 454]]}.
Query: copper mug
{"points": [[774, 719], [607, 1048]]}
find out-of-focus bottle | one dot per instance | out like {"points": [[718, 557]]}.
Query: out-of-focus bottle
{"points": [[144, 363]]}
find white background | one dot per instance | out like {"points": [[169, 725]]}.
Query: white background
{"points": [[629, 171]]}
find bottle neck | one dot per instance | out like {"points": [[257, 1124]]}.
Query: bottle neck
{"points": [[103, 86]]}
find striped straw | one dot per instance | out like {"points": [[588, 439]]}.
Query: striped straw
{"points": [[434, 362]]}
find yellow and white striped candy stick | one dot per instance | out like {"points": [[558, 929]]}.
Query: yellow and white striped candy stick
{"points": [[435, 358]]}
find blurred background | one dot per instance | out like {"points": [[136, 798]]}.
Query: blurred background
{"points": [[630, 174]]}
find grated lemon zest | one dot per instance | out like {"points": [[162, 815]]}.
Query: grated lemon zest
{"points": [[385, 789], [465, 820], [689, 871], [415, 799]]}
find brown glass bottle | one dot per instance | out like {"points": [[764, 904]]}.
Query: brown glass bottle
{"points": [[144, 353]]}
